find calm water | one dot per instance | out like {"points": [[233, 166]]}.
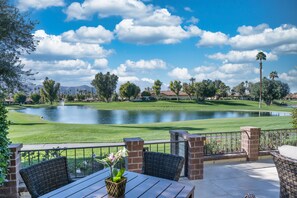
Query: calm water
{"points": [[86, 115]]}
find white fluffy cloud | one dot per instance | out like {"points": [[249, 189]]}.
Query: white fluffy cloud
{"points": [[123, 8], [282, 39], [212, 38], [180, 73], [52, 45], [213, 76], [286, 49], [146, 64], [132, 67], [231, 74], [250, 30], [241, 56], [290, 77], [25, 5], [124, 79], [193, 20], [240, 69], [128, 31], [121, 70], [264, 37], [93, 35], [101, 63], [149, 80], [160, 17], [141, 82], [202, 69], [141, 24], [68, 72]]}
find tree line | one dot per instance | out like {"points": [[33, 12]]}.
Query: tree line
{"points": [[106, 84]]}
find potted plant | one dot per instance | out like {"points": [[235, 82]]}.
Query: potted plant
{"points": [[116, 183]]}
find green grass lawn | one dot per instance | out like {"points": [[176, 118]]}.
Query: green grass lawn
{"points": [[29, 129]]}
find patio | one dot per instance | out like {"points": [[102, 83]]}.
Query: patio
{"points": [[226, 171], [235, 179]]}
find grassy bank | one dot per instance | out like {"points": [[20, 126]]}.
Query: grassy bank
{"points": [[30, 129]]}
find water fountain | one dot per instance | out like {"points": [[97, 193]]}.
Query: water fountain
{"points": [[62, 103]]}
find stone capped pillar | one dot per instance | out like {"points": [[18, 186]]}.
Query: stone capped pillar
{"points": [[11, 187], [135, 157], [195, 156], [250, 142]]}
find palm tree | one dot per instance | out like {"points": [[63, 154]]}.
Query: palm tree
{"points": [[273, 75], [192, 80], [260, 56]]}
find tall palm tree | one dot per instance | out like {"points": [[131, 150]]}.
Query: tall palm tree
{"points": [[273, 75], [192, 80], [260, 56]]}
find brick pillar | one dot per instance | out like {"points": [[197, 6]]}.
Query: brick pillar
{"points": [[174, 136], [250, 142], [135, 157], [195, 156], [11, 187]]}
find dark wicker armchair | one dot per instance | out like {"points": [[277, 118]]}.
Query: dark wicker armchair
{"points": [[287, 173], [46, 176], [162, 165]]}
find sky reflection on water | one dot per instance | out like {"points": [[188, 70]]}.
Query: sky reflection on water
{"points": [[86, 115]]}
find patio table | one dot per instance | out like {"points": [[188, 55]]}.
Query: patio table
{"points": [[138, 185]]}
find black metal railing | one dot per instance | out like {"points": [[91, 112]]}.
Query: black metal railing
{"points": [[179, 148], [271, 139], [81, 160], [218, 143]]}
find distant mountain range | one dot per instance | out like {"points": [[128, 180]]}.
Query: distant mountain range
{"points": [[68, 90]]}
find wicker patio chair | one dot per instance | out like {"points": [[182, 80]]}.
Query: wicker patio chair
{"points": [[162, 165], [46, 176], [287, 173]]}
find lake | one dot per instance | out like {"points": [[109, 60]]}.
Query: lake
{"points": [[87, 115]]}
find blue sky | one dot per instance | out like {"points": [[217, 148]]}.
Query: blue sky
{"points": [[141, 41]]}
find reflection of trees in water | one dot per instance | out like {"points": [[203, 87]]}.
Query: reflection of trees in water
{"points": [[176, 115], [105, 117], [85, 115], [50, 113], [133, 117], [158, 117]]}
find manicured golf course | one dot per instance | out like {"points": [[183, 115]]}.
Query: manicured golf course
{"points": [[29, 129]]}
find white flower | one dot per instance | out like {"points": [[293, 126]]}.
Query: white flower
{"points": [[123, 152]]}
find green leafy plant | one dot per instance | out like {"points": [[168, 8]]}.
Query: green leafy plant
{"points": [[294, 116], [4, 142], [111, 160]]}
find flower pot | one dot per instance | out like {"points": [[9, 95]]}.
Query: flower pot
{"points": [[116, 189]]}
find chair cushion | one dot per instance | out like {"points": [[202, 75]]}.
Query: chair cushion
{"points": [[288, 151]]}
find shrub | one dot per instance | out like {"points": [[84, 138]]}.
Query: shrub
{"points": [[20, 98], [4, 142], [294, 116], [70, 98], [36, 98]]}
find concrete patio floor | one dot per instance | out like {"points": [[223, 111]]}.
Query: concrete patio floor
{"points": [[235, 179]]}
